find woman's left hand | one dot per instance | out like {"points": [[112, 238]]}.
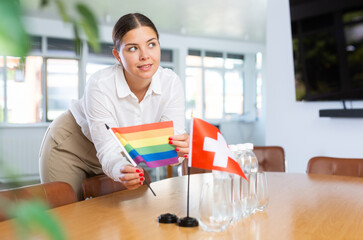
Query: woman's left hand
{"points": [[181, 143]]}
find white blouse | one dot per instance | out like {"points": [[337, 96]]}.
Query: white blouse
{"points": [[108, 100]]}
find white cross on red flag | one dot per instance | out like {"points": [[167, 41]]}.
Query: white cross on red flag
{"points": [[209, 150]]}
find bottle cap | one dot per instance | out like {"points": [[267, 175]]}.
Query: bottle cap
{"points": [[249, 146], [241, 147], [233, 147]]}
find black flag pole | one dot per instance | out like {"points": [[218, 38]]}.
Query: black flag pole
{"points": [[188, 191], [188, 221], [148, 185], [128, 156]]}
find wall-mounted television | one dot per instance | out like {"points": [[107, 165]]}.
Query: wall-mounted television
{"points": [[328, 49]]}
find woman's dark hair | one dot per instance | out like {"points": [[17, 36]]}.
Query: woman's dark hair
{"points": [[127, 23]]}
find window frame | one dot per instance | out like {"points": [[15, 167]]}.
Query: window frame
{"points": [[243, 72], [45, 90]]}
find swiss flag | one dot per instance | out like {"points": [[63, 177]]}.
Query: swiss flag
{"points": [[209, 150]]}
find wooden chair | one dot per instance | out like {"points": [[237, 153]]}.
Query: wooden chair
{"points": [[55, 194], [336, 166], [169, 171], [270, 159], [102, 184]]}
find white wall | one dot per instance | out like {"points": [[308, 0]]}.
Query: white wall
{"points": [[19, 149], [296, 126]]}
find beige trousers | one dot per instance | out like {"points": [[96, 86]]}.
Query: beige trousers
{"points": [[67, 155]]}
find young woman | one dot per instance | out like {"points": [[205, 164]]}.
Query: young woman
{"points": [[134, 91]]}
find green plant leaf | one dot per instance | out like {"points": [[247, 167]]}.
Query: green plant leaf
{"points": [[14, 41], [62, 11], [89, 25], [77, 39], [44, 3], [32, 217], [9, 173]]}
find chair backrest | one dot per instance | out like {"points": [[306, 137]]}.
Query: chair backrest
{"points": [[55, 194], [336, 166], [270, 158], [102, 184]]}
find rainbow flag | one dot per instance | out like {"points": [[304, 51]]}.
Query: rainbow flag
{"points": [[149, 143]]}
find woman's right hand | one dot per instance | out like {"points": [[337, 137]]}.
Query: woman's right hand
{"points": [[131, 177]]}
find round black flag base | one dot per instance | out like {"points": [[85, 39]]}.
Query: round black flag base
{"points": [[187, 222], [167, 218]]}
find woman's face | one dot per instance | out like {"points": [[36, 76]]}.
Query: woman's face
{"points": [[140, 53]]}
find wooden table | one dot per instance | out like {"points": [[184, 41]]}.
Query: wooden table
{"points": [[301, 207]]}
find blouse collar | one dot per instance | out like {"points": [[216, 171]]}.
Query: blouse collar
{"points": [[123, 89]]}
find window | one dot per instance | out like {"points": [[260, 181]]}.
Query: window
{"points": [[61, 47], [166, 55], [100, 60], [213, 97], [62, 85], [167, 58], [24, 89], [61, 76], [234, 64], [194, 89], [105, 51], [38, 88], [93, 67], [214, 84], [21, 89]]}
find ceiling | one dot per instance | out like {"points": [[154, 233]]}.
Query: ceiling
{"points": [[242, 20]]}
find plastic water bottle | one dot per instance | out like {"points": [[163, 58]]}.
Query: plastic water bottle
{"points": [[244, 185], [236, 184], [250, 158]]}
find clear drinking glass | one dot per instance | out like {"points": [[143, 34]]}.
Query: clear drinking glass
{"points": [[248, 194], [262, 191], [215, 208]]}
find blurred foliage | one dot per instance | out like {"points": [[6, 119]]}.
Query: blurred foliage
{"points": [[5, 170], [14, 40], [13, 37], [32, 218], [89, 25], [353, 16]]}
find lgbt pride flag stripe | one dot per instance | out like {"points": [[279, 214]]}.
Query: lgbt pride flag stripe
{"points": [[149, 143]]}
